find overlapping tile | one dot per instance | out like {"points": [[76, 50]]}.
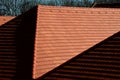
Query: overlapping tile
{"points": [[64, 32], [101, 62], [4, 19], [46, 37]]}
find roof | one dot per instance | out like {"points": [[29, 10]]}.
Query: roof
{"points": [[17, 47], [45, 37], [99, 62], [64, 32], [4, 19]]}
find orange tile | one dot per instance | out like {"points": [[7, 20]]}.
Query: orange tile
{"points": [[4, 19], [64, 32]]}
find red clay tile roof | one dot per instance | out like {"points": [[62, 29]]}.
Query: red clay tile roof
{"points": [[16, 47], [64, 32], [101, 62], [52, 36], [4, 19], [8, 54]]}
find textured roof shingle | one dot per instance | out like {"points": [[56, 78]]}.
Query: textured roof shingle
{"points": [[101, 62], [4, 19], [64, 32], [46, 37]]}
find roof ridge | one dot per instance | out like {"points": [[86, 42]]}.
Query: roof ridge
{"points": [[49, 6], [80, 10]]}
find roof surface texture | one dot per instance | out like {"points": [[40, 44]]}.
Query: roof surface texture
{"points": [[45, 37], [64, 32], [17, 46], [4, 19], [101, 62]]}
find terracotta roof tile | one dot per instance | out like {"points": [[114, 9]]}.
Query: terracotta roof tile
{"points": [[49, 36], [16, 47], [4, 19], [64, 32], [99, 62], [8, 58]]}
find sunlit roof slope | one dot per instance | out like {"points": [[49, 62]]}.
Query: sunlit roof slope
{"points": [[64, 32]]}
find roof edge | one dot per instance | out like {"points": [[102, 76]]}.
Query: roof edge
{"points": [[77, 7]]}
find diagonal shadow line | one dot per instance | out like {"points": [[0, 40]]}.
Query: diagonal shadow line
{"points": [[80, 55]]}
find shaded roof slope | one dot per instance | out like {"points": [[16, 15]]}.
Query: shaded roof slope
{"points": [[64, 32], [101, 62], [17, 46], [4, 19]]}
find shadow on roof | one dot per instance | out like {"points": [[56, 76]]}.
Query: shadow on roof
{"points": [[16, 47], [99, 62]]}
